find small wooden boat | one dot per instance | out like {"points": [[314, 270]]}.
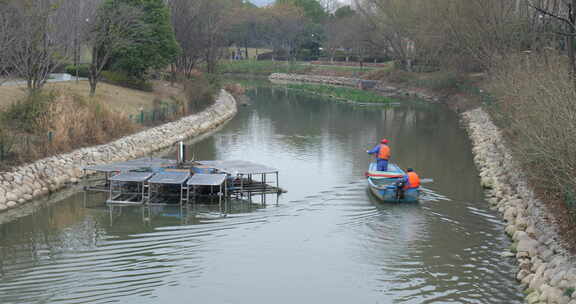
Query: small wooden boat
{"points": [[387, 185]]}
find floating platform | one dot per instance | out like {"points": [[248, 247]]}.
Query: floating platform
{"points": [[161, 181]]}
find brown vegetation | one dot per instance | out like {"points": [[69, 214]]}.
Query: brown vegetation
{"points": [[44, 124], [64, 117], [120, 99], [535, 107]]}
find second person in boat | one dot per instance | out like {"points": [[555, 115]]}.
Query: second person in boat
{"points": [[382, 152]]}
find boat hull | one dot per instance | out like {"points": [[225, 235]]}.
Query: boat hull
{"points": [[383, 185]]}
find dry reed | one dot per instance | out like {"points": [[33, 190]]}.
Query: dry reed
{"points": [[537, 108]]}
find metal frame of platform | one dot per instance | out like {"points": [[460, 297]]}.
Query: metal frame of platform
{"points": [[156, 180], [165, 179], [110, 170], [244, 172], [129, 188], [207, 180]]}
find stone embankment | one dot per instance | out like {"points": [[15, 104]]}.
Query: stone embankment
{"points": [[546, 271], [381, 87], [47, 175]]}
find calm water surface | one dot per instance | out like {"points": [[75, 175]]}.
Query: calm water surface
{"points": [[324, 241]]}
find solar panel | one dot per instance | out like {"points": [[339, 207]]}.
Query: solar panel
{"points": [[199, 179], [145, 162], [132, 177], [174, 178], [238, 167]]}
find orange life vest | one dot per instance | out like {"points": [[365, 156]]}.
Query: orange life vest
{"points": [[384, 152], [413, 181]]}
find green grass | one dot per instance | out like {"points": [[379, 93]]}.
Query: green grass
{"points": [[267, 67], [261, 67], [343, 68], [348, 94]]}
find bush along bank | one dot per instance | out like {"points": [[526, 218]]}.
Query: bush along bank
{"points": [[382, 88], [47, 175], [546, 270]]}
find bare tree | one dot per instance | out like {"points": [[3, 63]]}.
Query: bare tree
{"points": [[36, 48], [75, 18], [185, 18], [283, 26], [394, 22], [113, 26], [200, 27], [564, 12], [6, 40]]}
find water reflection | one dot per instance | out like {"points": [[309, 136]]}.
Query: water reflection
{"points": [[326, 240]]}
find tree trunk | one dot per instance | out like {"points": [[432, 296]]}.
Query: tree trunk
{"points": [[93, 76], [246, 48], [93, 85], [172, 74], [570, 41]]}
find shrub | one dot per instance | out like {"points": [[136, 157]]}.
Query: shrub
{"points": [[76, 122], [535, 106], [124, 80], [24, 113], [7, 142], [235, 89], [83, 70], [200, 93]]}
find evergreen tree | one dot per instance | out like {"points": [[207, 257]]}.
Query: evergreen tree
{"points": [[313, 10], [156, 46]]}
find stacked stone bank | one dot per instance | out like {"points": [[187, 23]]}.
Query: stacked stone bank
{"points": [[545, 269], [41, 177]]}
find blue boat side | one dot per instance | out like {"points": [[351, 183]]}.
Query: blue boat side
{"points": [[383, 184]]}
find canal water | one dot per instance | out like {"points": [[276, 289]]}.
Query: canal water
{"points": [[326, 240]]}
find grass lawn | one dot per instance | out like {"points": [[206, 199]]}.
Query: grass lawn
{"points": [[119, 99]]}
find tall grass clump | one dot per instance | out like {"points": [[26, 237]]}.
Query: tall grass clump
{"points": [[75, 122], [536, 107], [200, 92]]}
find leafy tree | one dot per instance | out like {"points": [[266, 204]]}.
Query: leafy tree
{"points": [[157, 46], [312, 9], [344, 11], [283, 27]]}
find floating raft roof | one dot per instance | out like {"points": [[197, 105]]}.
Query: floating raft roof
{"points": [[146, 162], [235, 167], [169, 178], [200, 179], [138, 177]]}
